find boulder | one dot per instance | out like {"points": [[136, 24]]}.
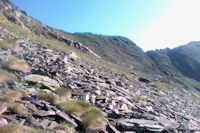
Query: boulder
{"points": [[44, 80], [141, 124]]}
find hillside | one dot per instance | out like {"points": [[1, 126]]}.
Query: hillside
{"points": [[116, 49], [181, 64], [55, 82]]}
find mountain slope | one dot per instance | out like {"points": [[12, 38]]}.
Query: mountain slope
{"points": [[181, 63], [119, 50], [51, 83]]}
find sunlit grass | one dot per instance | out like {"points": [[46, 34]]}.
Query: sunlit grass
{"points": [[18, 108], [5, 75], [47, 97], [12, 96], [13, 63], [16, 128], [75, 107], [91, 116], [10, 43]]}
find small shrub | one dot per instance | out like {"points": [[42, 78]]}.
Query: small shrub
{"points": [[71, 107], [47, 97], [5, 75], [91, 117], [76, 107], [11, 43], [18, 108], [84, 105]]}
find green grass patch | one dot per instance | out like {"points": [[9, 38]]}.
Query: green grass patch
{"points": [[75, 107], [16, 128], [5, 75], [91, 116], [10, 128], [12, 96], [10, 43], [18, 108], [47, 97], [14, 63], [62, 92]]}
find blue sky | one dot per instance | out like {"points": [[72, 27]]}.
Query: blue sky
{"points": [[150, 24]]}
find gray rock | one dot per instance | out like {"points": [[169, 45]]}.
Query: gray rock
{"points": [[32, 107], [46, 81], [53, 125], [167, 123], [45, 123], [43, 113]]}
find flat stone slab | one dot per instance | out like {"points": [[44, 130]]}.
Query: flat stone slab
{"points": [[167, 123], [44, 80], [142, 123]]}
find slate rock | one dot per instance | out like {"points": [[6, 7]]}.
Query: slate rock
{"points": [[66, 117], [46, 81]]}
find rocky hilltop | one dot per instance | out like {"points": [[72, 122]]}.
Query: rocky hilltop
{"points": [[48, 86]]}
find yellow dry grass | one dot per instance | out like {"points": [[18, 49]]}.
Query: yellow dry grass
{"points": [[18, 108], [13, 63], [5, 75]]}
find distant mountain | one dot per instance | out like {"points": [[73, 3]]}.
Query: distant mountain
{"points": [[180, 63]]}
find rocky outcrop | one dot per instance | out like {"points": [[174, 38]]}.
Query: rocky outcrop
{"points": [[20, 18]]}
